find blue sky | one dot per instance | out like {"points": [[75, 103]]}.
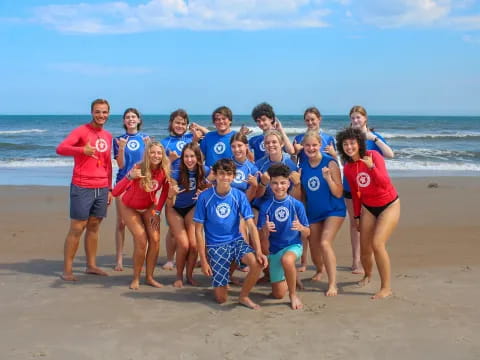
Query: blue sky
{"points": [[393, 57]]}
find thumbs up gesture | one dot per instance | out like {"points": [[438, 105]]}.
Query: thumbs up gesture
{"points": [[296, 225], [89, 150], [270, 225], [136, 173], [295, 176]]}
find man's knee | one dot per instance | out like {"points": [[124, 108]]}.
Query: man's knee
{"points": [[93, 223]]}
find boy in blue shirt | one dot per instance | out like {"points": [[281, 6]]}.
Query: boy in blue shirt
{"points": [[218, 212], [283, 222]]}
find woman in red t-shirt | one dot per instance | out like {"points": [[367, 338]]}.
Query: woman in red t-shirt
{"points": [[140, 209], [375, 203]]}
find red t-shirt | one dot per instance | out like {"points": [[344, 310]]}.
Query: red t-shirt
{"points": [[371, 187], [135, 196], [89, 171]]}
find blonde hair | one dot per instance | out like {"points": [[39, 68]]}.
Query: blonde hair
{"points": [[314, 134], [145, 166], [358, 109], [275, 133]]}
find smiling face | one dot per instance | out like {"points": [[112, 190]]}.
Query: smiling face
{"points": [[358, 121], [155, 155], [100, 114], [224, 178], [189, 159], [222, 123], [131, 121], [273, 146], [311, 146], [179, 125], [351, 148], [264, 122], [239, 150], [279, 186], [312, 121]]}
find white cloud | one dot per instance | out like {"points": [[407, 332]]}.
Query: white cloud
{"points": [[99, 70], [120, 17], [471, 39]]}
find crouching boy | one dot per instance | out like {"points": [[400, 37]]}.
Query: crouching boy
{"points": [[283, 221], [217, 213]]}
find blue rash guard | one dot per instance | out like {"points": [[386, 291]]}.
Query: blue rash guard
{"points": [[215, 147], [133, 152]]}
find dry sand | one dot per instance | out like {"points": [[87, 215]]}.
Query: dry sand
{"points": [[434, 313]]}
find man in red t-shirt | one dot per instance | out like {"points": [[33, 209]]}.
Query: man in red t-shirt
{"points": [[90, 191]]}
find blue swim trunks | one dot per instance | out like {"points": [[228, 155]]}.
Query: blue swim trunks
{"points": [[221, 257], [275, 262], [86, 202]]}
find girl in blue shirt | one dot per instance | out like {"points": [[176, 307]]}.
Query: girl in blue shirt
{"points": [[359, 120], [188, 180], [322, 189], [128, 150]]}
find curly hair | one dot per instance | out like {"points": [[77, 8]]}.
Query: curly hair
{"points": [[184, 180], [263, 109], [351, 134], [180, 113]]}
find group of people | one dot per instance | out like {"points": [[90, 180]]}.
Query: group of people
{"points": [[236, 203]]}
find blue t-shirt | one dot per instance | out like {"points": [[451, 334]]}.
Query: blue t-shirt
{"points": [[326, 140], [371, 145], [243, 170], [263, 165], [320, 201], [185, 198], [257, 144], [282, 213], [215, 147], [176, 144], [220, 215], [133, 152]]}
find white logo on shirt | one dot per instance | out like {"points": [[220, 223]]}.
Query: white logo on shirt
{"points": [[223, 210], [192, 183], [101, 145], [313, 183], [219, 148], [282, 214], [262, 146], [363, 179], [153, 185], [133, 145], [239, 176], [180, 145]]}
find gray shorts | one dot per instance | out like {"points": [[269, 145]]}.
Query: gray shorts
{"points": [[86, 202]]}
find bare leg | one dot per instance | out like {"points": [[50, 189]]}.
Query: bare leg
{"points": [[316, 249], [367, 228], [119, 238], [330, 228], [177, 224], [91, 243], [250, 281], [170, 246], [221, 294], [386, 223], [153, 238], [354, 239], [288, 263], [303, 260], [192, 247], [71, 246]]}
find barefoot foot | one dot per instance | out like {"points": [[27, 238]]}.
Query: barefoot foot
{"points": [[178, 283], [246, 301], [192, 282], [302, 268], [68, 277], [365, 281], [295, 302], [332, 291], [95, 271], [382, 294], [169, 265], [235, 281], [299, 284], [134, 285], [318, 276], [153, 282], [118, 267]]}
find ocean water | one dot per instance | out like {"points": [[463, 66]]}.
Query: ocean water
{"points": [[423, 145]]}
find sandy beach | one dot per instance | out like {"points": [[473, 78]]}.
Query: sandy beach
{"points": [[433, 314]]}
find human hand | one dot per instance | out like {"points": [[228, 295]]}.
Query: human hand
{"points": [[326, 173], [89, 150], [206, 269], [295, 176], [262, 260], [296, 225], [270, 225], [367, 160]]}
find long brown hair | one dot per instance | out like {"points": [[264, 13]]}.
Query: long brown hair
{"points": [[184, 180], [146, 168]]}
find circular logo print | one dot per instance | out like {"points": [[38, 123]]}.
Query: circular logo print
{"points": [[262, 146], [133, 145], [153, 185], [192, 183], [101, 145], [313, 183], [363, 179], [180, 145], [223, 210], [282, 214], [219, 148], [239, 176]]}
